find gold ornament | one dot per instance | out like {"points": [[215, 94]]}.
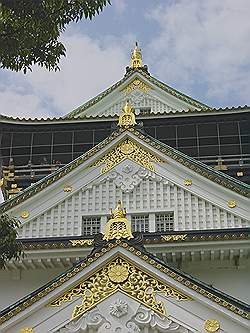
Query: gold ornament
{"points": [[231, 203], [127, 149], [174, 238], [25, 214], [119, 275], [136, 84], [211, 325], [188, 182], [127, 117], [67, 188], [136, 57], [27, 330], [118, 226], [81, 242]]}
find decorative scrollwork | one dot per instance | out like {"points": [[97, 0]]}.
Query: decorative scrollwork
{"points": [[81, 242], [136, 84], [121, 275], [128, 149]]}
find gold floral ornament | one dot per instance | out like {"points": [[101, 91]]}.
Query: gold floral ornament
{"points": [[188, 182], [119, 275], [118, 226], [27, 330], [25, 214], [128, 149], [67, 188], [136, 57], [231, 203], [127, 117], [211, 325]]}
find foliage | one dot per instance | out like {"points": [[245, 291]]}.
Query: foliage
{"points": [[10, 247], [30, 29]]}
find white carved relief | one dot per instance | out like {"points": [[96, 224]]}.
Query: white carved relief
{"points": [[144, 320], [118, 308], [92, 319], [128, 176], [146, 317]]}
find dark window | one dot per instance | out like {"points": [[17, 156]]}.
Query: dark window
{"points": [[208, 141], [245, 127], [42, 138], [229, 140], [62, 138], [21, 139], [209, 151], [187, 142], [186, 131], [6, 140], [228, 128], [207, 129], [230, 150], [83, 136]]}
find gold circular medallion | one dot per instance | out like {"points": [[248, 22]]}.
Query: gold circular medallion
{"points": [[231, 203], [25, 214], [211, 325], [118, 273], [27, 330], [127, 148]]}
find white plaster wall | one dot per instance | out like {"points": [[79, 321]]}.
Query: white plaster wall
{"points": [[190, 211], [17, 284], [233, 281]]}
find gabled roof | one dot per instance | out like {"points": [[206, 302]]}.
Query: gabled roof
{"points": [[135, 247], [189, 162], [75, 113]]}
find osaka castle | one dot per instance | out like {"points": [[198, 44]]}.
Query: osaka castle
{"points": [[134, 214]]}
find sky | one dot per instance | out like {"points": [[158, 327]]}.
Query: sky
{"points": [[199, 47]]}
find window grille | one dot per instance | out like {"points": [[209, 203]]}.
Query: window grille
{"points": [[164, 222], [91, 225], [140, 223]]}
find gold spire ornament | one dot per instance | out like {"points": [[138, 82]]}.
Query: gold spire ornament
{"points": [[127, 117], [136, 58], [118, 226]]}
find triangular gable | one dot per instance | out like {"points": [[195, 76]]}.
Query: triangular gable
{"points": [[144, 91], [122, 266], [188, 162]]}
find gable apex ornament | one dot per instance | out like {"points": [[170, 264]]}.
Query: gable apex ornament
{"points": [[118, 226], [127, 117], [136, 57]]}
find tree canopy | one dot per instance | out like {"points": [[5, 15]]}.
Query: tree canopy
{"points": [[10, 247], [30, 29]]}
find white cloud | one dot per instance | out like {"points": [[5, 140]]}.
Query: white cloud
{"points": [[204, 42], [119, 5], [90, 67]]}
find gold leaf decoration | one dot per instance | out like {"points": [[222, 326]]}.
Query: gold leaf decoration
{"points": [[119, 274], [136, 84], [211, 325], [231, 203], [128, 149]]}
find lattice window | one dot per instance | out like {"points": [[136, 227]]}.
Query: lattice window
{"points": [[164, 222], [140, 223], [91, 225]]}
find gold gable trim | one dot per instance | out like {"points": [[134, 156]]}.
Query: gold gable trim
{"points": [[136, 84], [128, 149], [119, 274]]}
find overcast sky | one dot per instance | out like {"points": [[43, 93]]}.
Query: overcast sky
{"points": [[200, 47]]}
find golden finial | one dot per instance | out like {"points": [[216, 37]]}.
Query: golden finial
{"points": [[136, 58], [127, 117], [118, 226]]}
